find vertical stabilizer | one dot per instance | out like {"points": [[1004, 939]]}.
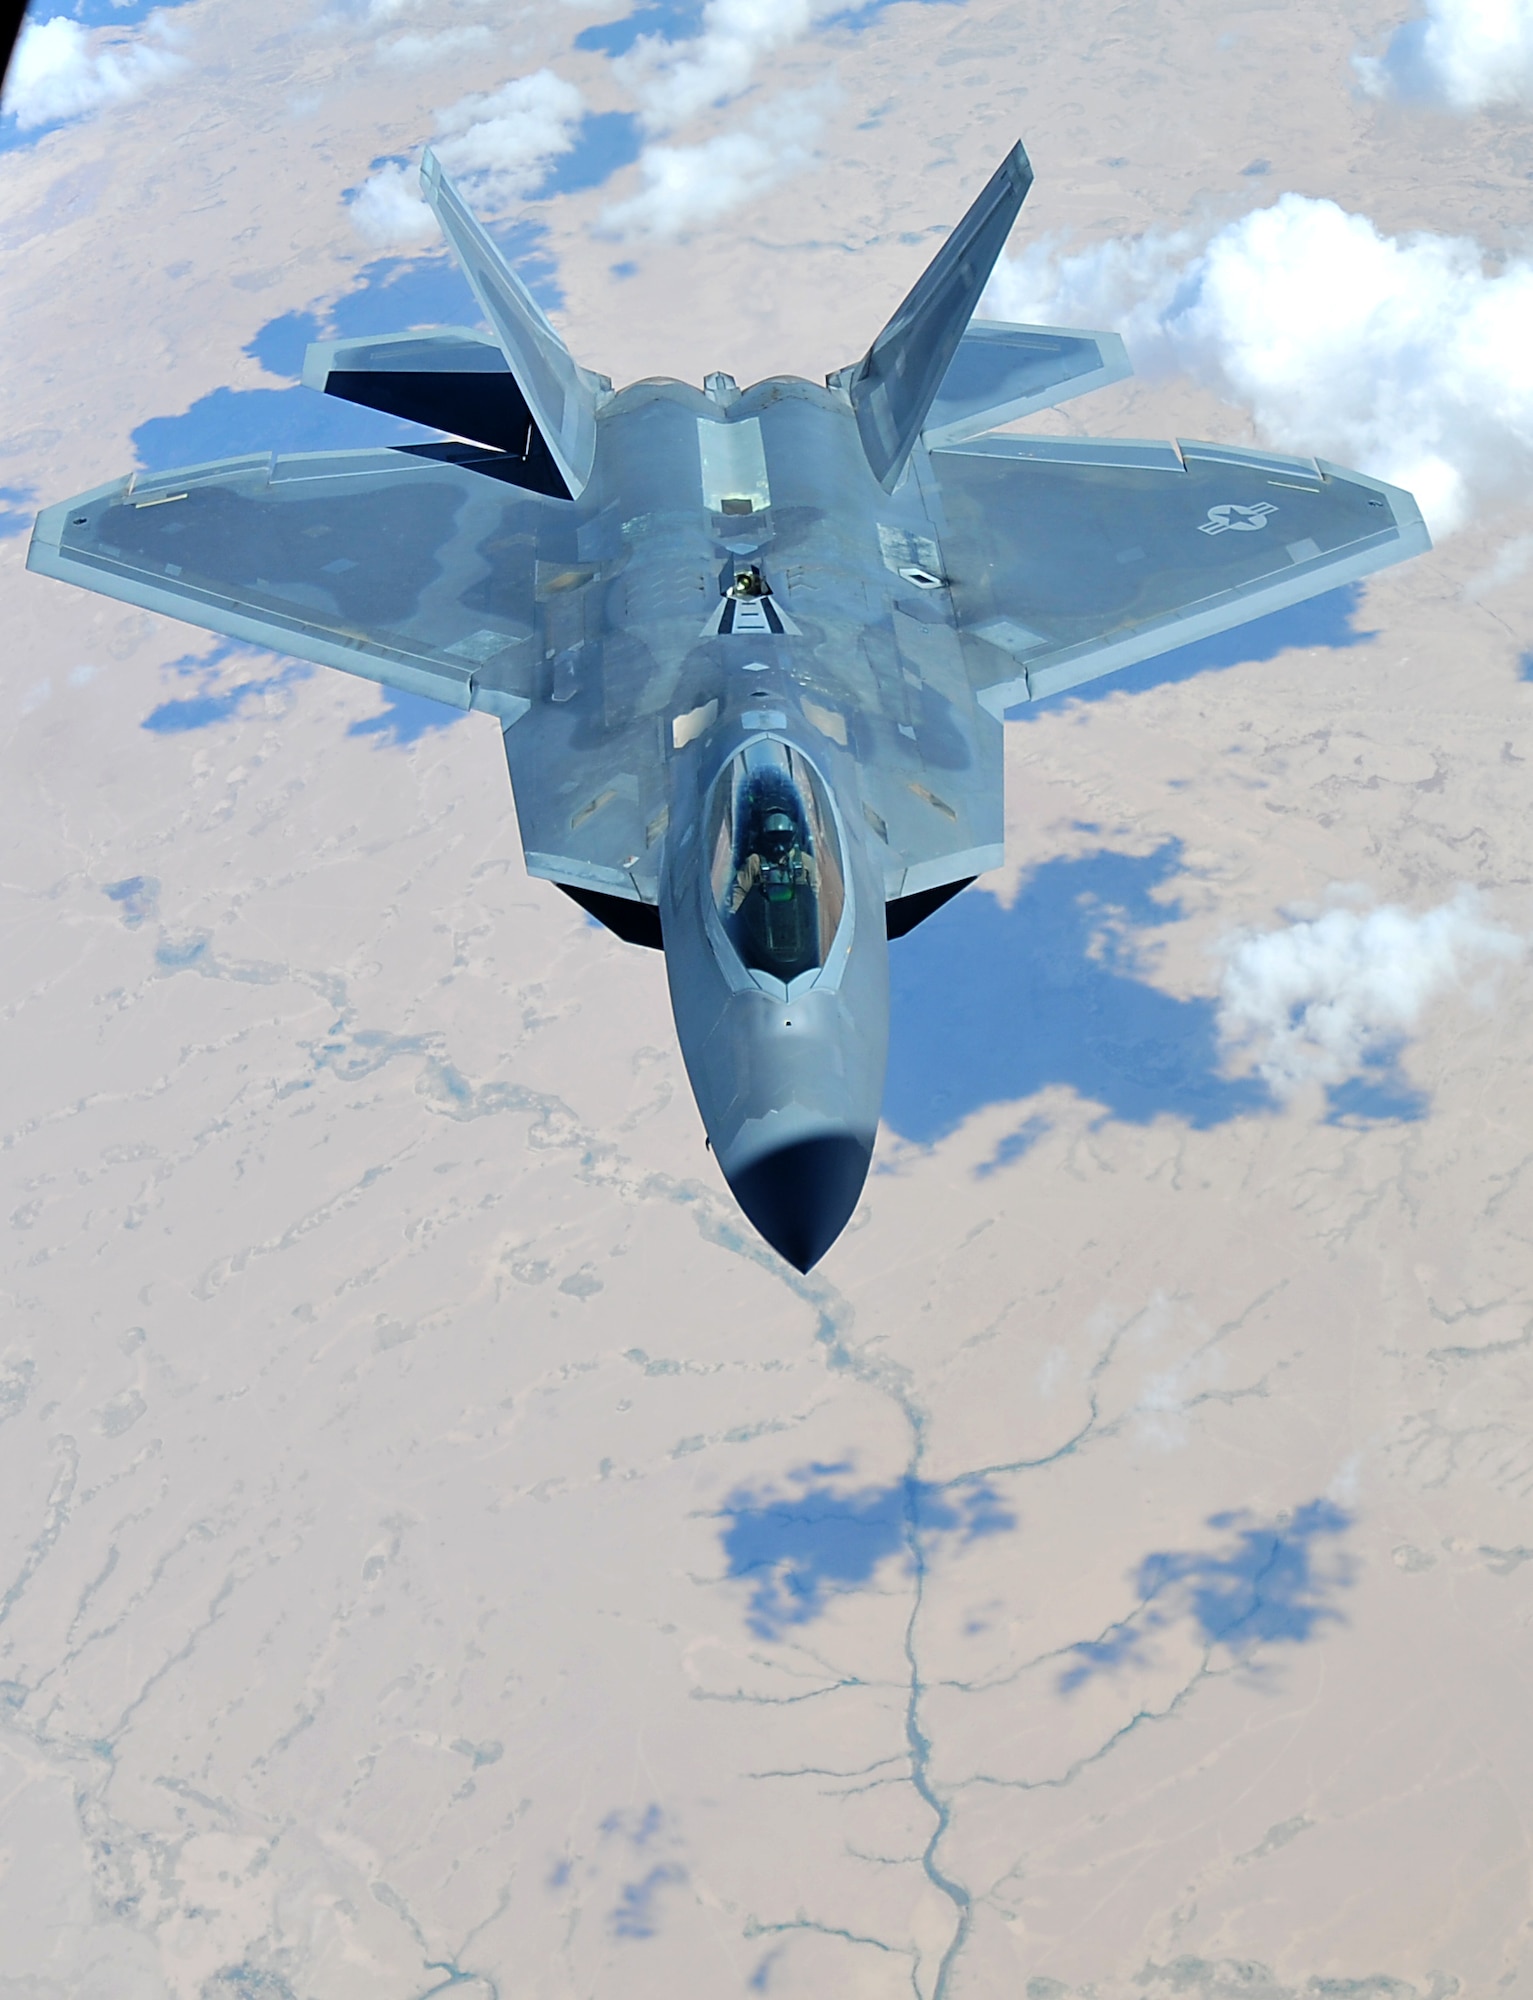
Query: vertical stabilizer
{"points": [[893, 386], [561, 395]]}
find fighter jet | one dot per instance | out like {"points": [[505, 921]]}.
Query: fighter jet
{"points": [[750, 649]]}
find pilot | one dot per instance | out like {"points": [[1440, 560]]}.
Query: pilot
{"points": [[777, 863]]}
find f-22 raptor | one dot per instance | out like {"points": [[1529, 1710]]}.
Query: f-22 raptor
{"points": [[751, 650]]}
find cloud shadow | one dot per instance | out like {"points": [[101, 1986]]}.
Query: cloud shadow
{"points": [[605, 143], [822, 1539], [1380, 1093], [1264, 1586], [393, 294], [992, 1005], [405, 718], [662, 20], [138, 896], [214, 701], [18, 505], [636, 1915], [682, 20], [233, 423]]}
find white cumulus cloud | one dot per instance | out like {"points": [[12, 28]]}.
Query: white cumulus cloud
{"points": [[371, 13], [1508, 563], [501, 142], [687, 187], [1313, 1002], [1462, 53], [387, 210], [673, 81], [1398, 356], [509, 136], [416, 51], [62, 70]]}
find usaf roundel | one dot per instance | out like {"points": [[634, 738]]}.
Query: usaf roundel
{"points": [[1228, 515]]}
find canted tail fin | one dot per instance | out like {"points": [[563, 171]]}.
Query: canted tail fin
{"points": [[895, 383], [562, 396]]}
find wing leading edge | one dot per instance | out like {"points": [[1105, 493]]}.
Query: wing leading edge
{"points": [[1069, 559]]}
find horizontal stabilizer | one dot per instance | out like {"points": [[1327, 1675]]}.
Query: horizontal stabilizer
{"points": [[450, 379], [894, 385], [1002, 372], [562, 396]]}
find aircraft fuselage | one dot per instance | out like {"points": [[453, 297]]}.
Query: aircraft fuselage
{"points": [[735, 581]]}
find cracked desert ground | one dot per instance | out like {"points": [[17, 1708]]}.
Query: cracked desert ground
{"points": [[440, 1547]]}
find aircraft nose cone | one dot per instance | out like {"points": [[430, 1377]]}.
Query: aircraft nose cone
{"points": [[801, 1197]]}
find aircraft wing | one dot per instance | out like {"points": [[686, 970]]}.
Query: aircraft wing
{"points": [[406, 566], [420, 567], [1068, 559]]}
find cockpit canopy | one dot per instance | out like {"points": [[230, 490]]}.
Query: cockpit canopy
{"points": [[776, 872]]}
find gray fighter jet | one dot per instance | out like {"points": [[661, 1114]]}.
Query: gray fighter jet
{"points": [[750, 649]]}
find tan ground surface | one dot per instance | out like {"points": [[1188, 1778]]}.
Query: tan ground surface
{"points": [[438, 1547]]}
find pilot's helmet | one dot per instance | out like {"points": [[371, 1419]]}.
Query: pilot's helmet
{"points": [[776, 836]]}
